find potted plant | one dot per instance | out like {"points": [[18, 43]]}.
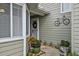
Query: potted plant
{"points": [[64, 47], [35, 45]]}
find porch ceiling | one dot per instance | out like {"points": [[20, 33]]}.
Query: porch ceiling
{"points": [[38, 12], [35, 11]]}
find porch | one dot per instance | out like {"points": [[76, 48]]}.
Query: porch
{"points": [[42, 24], [36, 16]]}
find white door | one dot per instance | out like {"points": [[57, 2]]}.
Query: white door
{"points": [[34, 27]]}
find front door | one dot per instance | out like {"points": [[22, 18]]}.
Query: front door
{"points": [[34, 27]]}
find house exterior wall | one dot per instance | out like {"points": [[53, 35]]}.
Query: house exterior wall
{"points": [[47, 29], [12, 48], [75, 28]]}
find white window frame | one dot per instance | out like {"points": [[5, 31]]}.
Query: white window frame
{"points": [[11, 38], [61, 8]]}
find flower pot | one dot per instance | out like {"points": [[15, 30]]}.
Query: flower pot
{"points": [[36, 50], [36, 45], [63, 51]]}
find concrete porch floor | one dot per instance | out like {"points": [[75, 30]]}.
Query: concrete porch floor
{"points": [[49, 51]]}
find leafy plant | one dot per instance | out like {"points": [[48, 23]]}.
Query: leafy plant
{"points": [[34, 42], [31, 40], [65, 43]]}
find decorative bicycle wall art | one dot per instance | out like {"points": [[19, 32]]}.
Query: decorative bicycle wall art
{"points": [[65, 21]]}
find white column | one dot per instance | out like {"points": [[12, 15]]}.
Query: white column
{"points": [[24, 27], [11, 20]]}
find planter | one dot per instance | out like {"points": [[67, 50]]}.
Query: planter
{"points": [[36, 45], [64, 47], [36, 50], [63, 51]]}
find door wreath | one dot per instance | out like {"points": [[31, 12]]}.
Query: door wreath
{"points": [[34, 24]]}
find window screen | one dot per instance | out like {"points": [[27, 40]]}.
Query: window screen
{"points": [[4, 20], [17, 20]]}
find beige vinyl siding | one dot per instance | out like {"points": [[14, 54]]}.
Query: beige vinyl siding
{"points": [[48, 31], [75, 27], [12, 48]]}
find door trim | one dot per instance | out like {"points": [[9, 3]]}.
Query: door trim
{"points": [[38, 28]]}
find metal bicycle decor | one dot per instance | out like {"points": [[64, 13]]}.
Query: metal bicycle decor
{"points": [[57, 22], [65, 21]]}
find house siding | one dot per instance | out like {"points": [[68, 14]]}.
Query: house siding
{"points": [[12, 48], [48, 31], [75, 28]]}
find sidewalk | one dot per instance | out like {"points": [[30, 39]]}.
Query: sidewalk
{"points": [[49, 51]]}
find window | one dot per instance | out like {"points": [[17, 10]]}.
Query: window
{"points": [[4, 20], [65, 7], [17, 20], [11, 20]]}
